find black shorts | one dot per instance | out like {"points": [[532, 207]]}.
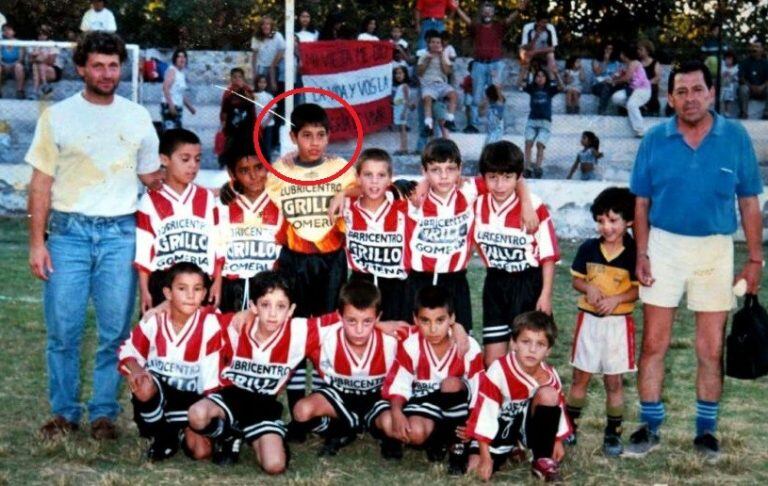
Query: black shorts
{"points": [[253, 414], [57, 74], [511, 435], [359, 412], [393, 304], [506, 295], [456, 284], [170, 403], [233, 294], [439, 406], [316, 279]]}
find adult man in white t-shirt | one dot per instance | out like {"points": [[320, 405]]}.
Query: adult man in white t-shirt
{"points": [[98, 17], [86, 154]]}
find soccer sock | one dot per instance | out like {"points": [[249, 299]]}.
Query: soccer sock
{"points": [[428, 122], [217, 427], [544, 424], [652, 413], [149, 415], [706, 417], [449, 117], [297, 386], [573, 408], [615, 415]]}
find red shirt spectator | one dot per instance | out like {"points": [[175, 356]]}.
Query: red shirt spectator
{"points": [[436, 9], [487, 39]]}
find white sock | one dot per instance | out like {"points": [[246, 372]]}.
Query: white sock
{"points": [[449, 117], [428, 122]]}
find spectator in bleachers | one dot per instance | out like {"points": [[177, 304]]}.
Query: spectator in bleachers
{"points": [[46, 65], [333, 27], [574, 81], [448, 49], [753, 79], [262, 97], [467, 89], [653, 72], [638, 90], [402, 56], [304, 28], [98, 17], [488, 67], [397, 37], [12, 61], [368, 29], [174, 92], [539, 40], [539, 126], [729, 82], [401, 105], [237, 115], [2, 20], [605, 67], [711, 46], [430, 15], [268, 46], [433, 68], [495, 104]]}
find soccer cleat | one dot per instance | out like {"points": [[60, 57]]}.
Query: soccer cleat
{"points": [[226, 451], [471, 129], [436, 452], [708, 446], [612, 446], [391, 449], [457, 459], [546, 469], [450, 125], [296, 433], [333, 444], [163, 447], [641, 442]]}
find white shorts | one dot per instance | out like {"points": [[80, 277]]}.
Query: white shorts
{"points": [[604, 344], [699, 266]]}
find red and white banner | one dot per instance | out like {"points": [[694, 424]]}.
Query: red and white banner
{"points": [[358, 71]]}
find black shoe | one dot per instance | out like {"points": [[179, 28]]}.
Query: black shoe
{"points": [[538, 172], [450, 125], [162, 447], [226, 451], [296, 433], [391, 449], [527, 173], [457, 459], [427, 132], [612, 446], [708, 446], [333, 444], [436, 452], [641, 442], [471, 129]]}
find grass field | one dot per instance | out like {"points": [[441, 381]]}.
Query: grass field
{"points": [[78, 459]]}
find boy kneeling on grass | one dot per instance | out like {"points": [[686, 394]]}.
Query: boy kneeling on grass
{"points": [[520, 401], [171, 360]]}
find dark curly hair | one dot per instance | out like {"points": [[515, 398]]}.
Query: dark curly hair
{"points": [[99, 43]]}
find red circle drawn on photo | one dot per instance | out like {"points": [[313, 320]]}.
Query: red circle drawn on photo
{"points": [[308, 89]]}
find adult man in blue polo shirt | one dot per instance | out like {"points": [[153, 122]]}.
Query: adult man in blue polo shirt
{"points": [[686, 176]]}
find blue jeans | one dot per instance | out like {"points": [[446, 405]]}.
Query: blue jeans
{"points": [[425, 26], [483, 74], [92, 257]]}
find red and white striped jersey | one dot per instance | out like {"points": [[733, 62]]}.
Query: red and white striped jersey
{"points": [[248, 232], [376, 241], [189, 360], [501, 239], [505, 390], [265, 367], [173, 228], [440, 230], [349, 373], [418, 371]]}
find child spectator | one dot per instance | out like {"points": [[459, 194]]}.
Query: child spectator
{"points": [[167, 374], [729, 82], [604, 273], [401, 105], [494, 105], [397, 37], [262, 97], [249, 226], [177, 223], [539, 125], [402, 57], [652, 69], [521, 266], [376, 244], [574, 83], [174, 92], [305, 29], [430, 385], [467, 90], [587, 159], [433, 68], [448, 49], [605, 67], [237, 115], [12, 60], [353, 359], [46, 65], [368, 29], [520, 401], [638, 90]]}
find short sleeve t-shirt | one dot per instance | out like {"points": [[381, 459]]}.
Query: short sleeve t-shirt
{"points": [[541, 100], [267, 48], [102, 20], [434, 71], [93, 153], [305, 207], [612, 274]]}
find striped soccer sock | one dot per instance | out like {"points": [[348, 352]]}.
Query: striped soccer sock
{"points": [[652, 413], [706, 417]]}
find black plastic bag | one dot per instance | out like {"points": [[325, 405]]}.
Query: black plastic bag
{"points": [[747, 344]]}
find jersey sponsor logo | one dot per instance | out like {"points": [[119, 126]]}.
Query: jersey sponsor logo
{"points": [[424, 388], [250, 250], [307, 206], [181, 376], [182, 239], [435, 237], [357, 386], [505, 251], [257, 377], [378, 253]]}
